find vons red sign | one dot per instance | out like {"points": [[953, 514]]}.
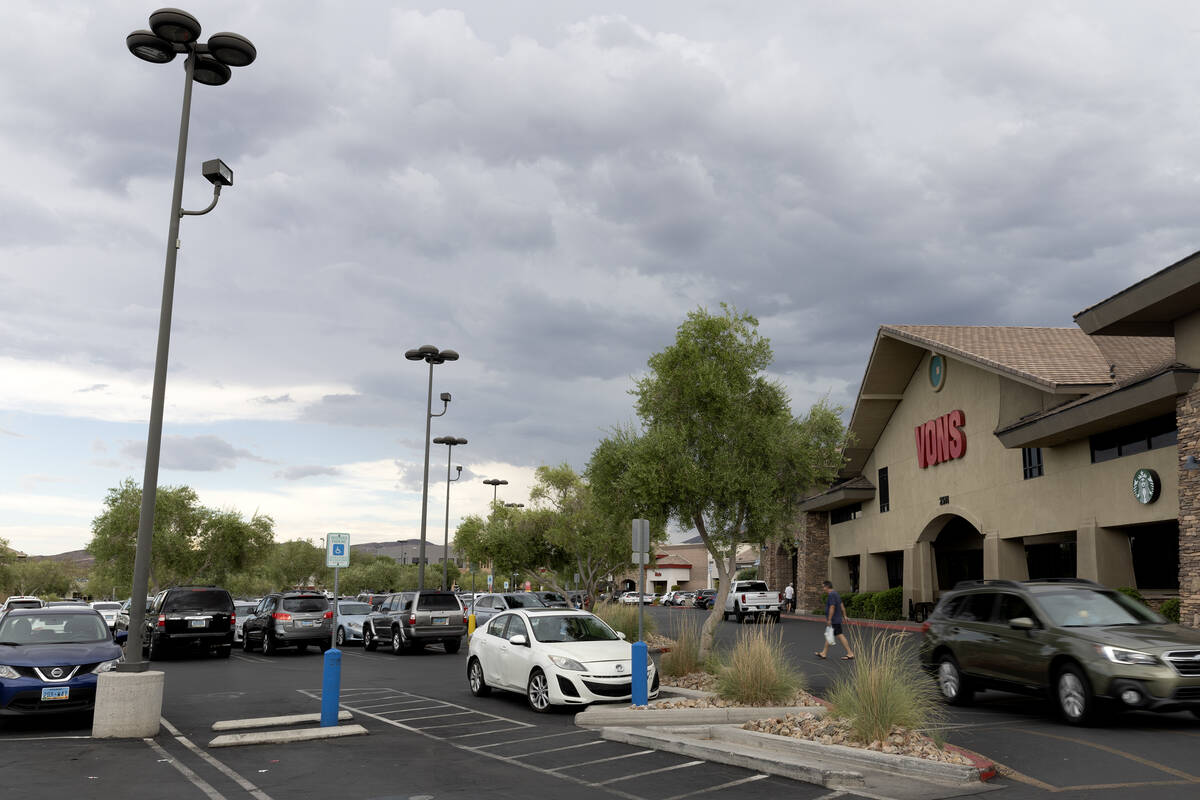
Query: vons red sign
{"points": [[941, 439]]}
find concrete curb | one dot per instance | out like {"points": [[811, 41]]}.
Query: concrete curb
{"points": [[674, 717], [273, 722], [830, 766], [287, 736]]}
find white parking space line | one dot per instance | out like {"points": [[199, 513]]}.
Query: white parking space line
{"points": [[253, 790], [652, 772], [393, 703], [183, 769], [438, 707], [751, 779], [482, 733], [621, 757], [535, 738], [434, 716], [454, 725], [251, 659], [556, 749], [41, 738]]}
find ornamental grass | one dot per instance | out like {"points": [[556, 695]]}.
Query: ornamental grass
{"points": [[885, 687], [624, 619], [684, 656], [756, 670]]}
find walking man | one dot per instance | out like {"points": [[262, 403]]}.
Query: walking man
{"points": [[835, 614], [789, 599]]}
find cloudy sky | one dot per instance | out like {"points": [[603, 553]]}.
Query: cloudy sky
{"points": [[547, 188]]}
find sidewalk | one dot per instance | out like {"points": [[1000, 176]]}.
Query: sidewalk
{"points": [[890, 625]]}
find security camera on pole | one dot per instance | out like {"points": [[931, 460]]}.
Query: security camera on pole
{"points": [[641, 556]]}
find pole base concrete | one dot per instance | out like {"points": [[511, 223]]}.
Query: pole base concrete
{"points": [[128, 705]]}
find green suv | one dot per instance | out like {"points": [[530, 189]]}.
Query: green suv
{"points": [[1086, 646]]}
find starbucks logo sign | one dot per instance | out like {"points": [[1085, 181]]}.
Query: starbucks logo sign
{"points": [[1146, 486]]}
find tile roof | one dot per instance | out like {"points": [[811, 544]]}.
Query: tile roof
{"points": [[1047, 356]]}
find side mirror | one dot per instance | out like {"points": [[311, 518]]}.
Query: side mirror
{"points": [[120, 637], [620, 634], [1022, 624], [519, 640]]}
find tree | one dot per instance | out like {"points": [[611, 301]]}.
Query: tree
{"points": [[41, 577], [718, 449]]}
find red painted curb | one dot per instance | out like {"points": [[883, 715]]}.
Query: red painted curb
{"points": [[986, 767], [908, 627]]}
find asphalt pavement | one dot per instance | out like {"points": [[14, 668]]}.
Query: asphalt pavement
{"points": [[429, 738]]}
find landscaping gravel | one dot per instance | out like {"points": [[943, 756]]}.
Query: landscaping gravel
{"points": [[831, 730]]}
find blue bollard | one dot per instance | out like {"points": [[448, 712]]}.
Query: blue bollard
{"points": [[640, 690], [331, 687]]}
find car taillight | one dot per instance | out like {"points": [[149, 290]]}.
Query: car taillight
{"points": [[233, 619], [743, 598], [781, 597], [162, 620], [328, 615], [412, 618], [282, 615]]}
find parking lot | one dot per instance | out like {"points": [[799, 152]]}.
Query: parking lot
{"points": [[429, 737]]}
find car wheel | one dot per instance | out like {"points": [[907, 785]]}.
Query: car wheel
{"points": [[478, 685], [269, 646], [537, 691], [452, 646], [737, 614], [954, 687], [369, 643], [397, 642], [1073, 695], [155, 651], [246, 646], [341, 637]]}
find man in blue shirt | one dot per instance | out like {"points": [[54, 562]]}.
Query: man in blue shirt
{"points": [[835, 613]]}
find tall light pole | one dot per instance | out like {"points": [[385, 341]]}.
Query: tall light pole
{"points": [[173, 32], [430, 355], [451, 442], [495, 483]]}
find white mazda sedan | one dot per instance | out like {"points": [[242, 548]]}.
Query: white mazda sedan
{"points": [[554, 656]]}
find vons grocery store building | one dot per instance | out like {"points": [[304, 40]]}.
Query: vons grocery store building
{"points": [[1017, 452]]}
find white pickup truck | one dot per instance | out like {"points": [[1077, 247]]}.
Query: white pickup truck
{"points": [[752, 599]]}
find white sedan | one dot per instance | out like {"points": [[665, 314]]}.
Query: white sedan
{"points": [[554, 656]]}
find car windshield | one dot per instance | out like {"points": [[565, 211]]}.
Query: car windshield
{"points": [[106, 606], [52, 628], [353, 609], [753, 586], [570, 629], [198, 600], [25, 604], [1079, 608], [524, 600], [301, 605]]}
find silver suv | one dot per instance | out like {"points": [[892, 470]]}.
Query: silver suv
{"points": [[411, 620], [289, 619]]}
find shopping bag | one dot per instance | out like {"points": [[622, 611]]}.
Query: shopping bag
{"points": [[829, 633]]}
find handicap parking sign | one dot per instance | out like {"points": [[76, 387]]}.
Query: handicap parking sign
{"points": [[337, 552]]}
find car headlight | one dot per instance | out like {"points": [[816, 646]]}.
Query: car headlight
{"points": [[1119, 655], [354, 626], [108, 666], [568, 663], [8, 672]]}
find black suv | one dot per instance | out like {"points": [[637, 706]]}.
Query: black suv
{"points": [[411, 620], [289, 619], [1087, 647], [705, 598], [196, 617]]}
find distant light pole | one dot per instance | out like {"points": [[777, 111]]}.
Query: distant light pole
{"points": [[514, 505], [430, 355], [451, 442], [495, 483], [173, 32]]}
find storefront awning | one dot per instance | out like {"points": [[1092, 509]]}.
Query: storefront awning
{"points": [[855, 490]]}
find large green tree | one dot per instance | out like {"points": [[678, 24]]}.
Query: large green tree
{"points": [[718, 448]]}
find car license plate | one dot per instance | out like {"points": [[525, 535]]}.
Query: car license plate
{"points": [[441, 621], [306, 623], [56, 693], [197, 623]]}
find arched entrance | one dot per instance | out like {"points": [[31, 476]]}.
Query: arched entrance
{"points": [[957, 550]]}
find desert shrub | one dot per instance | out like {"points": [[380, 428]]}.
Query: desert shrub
{"points": [[1170, 609], [684, 656], [624, 619], [886, 605], [757, 671], [884, 687], [747, 574], [1129, 591]]}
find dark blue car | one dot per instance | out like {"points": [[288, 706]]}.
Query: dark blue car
{"points": [[50, 659]]}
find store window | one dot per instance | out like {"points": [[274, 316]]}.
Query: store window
{"points": [[1031, 462], [884, 495], [1133, 439]]}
